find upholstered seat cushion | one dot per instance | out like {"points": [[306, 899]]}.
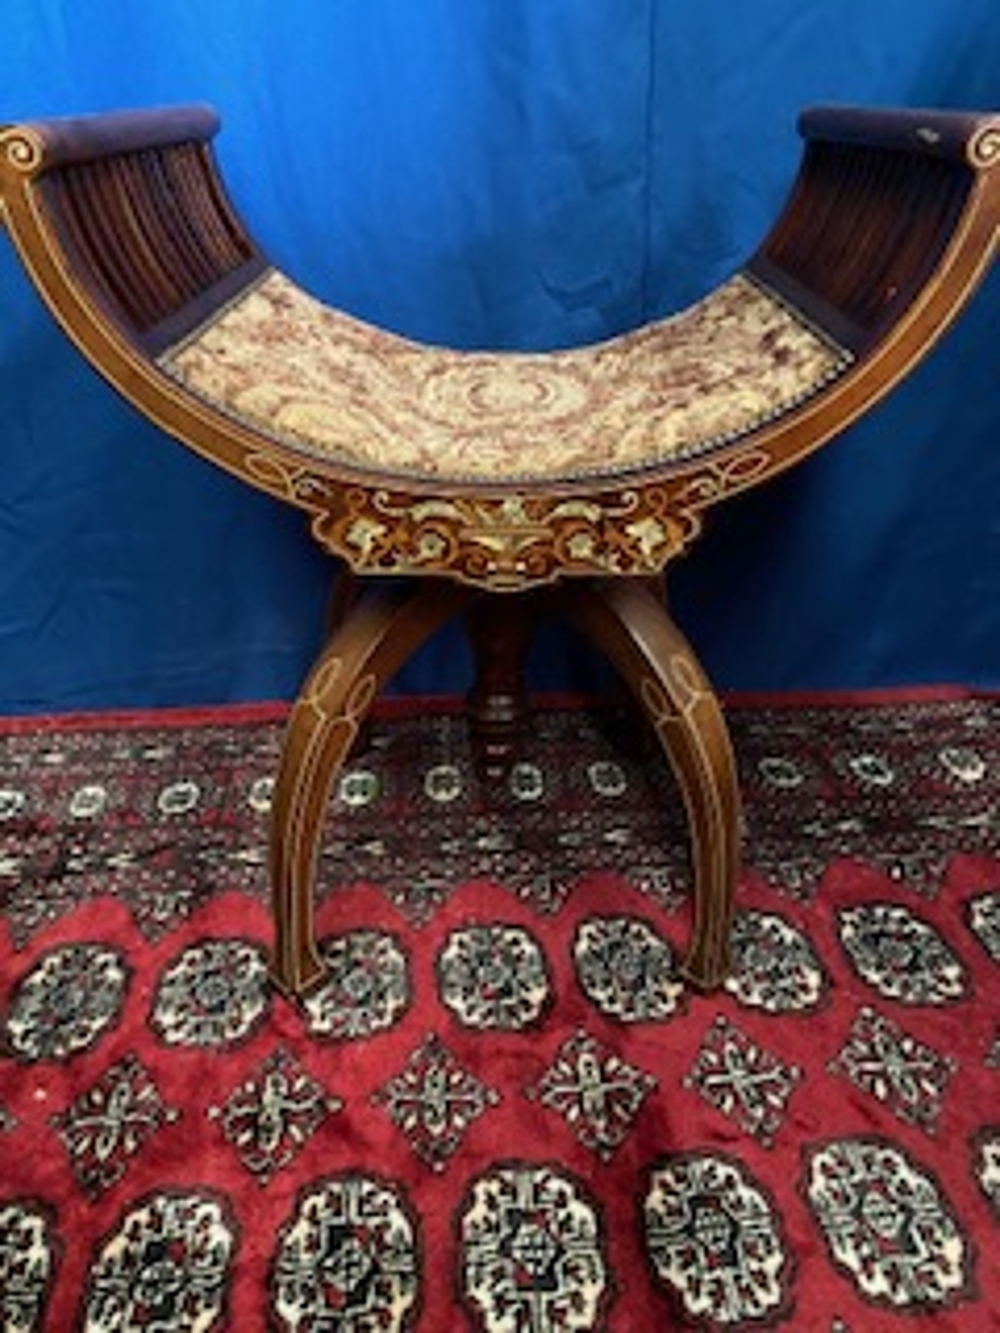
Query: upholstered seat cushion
{"points": [[294, 370]]}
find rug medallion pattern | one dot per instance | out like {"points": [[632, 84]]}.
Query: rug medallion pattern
{"points": [[502, 1110]]}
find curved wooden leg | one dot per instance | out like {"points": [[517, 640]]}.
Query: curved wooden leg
{"points": [[632, 626], [375, 637], [348, 589], [345, 594]]}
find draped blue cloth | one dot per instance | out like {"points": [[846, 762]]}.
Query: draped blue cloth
{"points": [[506, 173]]}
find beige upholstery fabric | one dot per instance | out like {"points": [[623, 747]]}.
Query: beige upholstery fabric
{"points": [[292, 369]]}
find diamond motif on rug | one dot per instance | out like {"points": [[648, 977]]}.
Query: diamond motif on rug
{"points": [[494, 977], [774, 967], [215, 994], [714, 1237], [532, 1252], [66, 1002], [367, 987], [907, 1077], [982, 915], [108, 1124], [805, 811], [742, 1080], [596, 1092], [627, 970], [986, 1157], [27, 1266], [887, 1225], [348, 1259], [433, 1101], [127, 826], [167, 1265], [154, 818], [553, 820], [901, 956], [272, 1114], [160, 877]]}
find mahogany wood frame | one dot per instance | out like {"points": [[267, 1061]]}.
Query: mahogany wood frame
{"points": [[125, 227]]}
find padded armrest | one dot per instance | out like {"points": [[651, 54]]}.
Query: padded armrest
{"points": [[967, 136], [126, 213], [42, 145], [874, 214]]}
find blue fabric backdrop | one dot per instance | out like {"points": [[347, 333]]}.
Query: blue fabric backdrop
{"points": [[524, 173]]}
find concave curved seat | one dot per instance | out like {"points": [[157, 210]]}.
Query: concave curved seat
{"points": [[570, 479]]}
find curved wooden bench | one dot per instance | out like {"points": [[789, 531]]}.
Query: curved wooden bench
{"points": [[575, 476]]}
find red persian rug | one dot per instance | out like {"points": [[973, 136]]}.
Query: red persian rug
{"points": [[502, 1111]]}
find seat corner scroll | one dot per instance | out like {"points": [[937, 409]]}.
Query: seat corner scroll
{"points": [[983, 149], [22, 153]]}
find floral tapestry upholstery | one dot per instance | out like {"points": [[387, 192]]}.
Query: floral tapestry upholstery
{"points": [[320, 381]]}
